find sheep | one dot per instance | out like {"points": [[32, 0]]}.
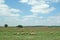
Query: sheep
{"points": [[32, 33], [17, 33]]}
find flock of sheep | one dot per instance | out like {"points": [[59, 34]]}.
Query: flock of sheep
{"points": [[25, 33]]}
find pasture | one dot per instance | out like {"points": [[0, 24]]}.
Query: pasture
{"points": [[29, 33]]}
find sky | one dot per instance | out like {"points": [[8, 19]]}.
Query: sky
{"points": [[30, 12]]}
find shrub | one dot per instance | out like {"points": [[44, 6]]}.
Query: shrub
{"points": [[20, 26], [6, 25]]}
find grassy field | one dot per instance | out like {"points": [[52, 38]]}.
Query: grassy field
{"points": [[36, 33]]}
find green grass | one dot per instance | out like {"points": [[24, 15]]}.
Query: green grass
{"points": [[25, 33]]}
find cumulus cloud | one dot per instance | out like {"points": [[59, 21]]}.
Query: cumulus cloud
{"points": [[39, 6], [42, 9], [5, 10], [8, 15]]}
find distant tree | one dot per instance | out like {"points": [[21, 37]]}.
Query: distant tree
{"points": [[20, 26], [6, 25]]}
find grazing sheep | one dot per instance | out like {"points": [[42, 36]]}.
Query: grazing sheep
{"points": [[24, 33], [17, 33], [32, 33]]}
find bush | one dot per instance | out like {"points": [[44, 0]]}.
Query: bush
{"points": [[20, 26], [6, 25]]}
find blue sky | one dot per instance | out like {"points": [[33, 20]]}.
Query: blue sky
{"points": [[29, 12]]}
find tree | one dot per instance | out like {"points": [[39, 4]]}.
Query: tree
{"points": [[6, 25], [20, 26]]}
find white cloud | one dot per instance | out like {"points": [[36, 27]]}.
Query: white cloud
{"points": [[14, 10], [13, 15], [5, 10], [24, 1], [28, 20], [33, 2], [51, 20], [29, 17], [2, 1], [8, 15], [42, 9], [39, 6], [10, 20]]}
